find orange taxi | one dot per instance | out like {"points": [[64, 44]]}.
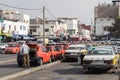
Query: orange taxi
{"points": [[38, 55], [12, 48]]}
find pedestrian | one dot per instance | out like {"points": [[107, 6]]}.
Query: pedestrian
{"points": [[24, 51]]}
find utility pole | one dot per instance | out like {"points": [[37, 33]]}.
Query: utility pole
{"points": [[44, 25]]}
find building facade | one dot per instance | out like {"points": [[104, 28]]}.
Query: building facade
{"points": [[10, 25], [72, 25], [52, 27], [104, 15]]}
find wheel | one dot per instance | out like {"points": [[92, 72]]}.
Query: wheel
{"points": [[40, 61], [114, 69], [61, 57], [86, 70], [19, 60], [50, 60], [19, 64], [119, 63]]}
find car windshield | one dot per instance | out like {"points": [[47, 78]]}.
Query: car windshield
{"points": [[100, 52], [11, 45], [75, 48]]}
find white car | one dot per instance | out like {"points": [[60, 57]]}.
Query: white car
{"points": [[3, 46], [101, 57], [74, 50]]}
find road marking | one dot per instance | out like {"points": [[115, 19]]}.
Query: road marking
{"points": [[28, 71]]}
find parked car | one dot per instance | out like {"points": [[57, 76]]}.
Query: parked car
{"points": [[12, 47], [38, 55], [102, 57], [3, 45], [55, 52], [74, 50]]}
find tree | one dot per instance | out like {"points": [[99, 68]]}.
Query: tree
{"points": [[116, 27]]}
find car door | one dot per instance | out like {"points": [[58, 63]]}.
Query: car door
{"points": [[45, 55]]}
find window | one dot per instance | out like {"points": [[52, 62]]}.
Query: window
{"points": [[46, 30], [15, 28], [34, 30], [43, 49], [20, 27], [9, 26], [105, 29], [24, 27]]}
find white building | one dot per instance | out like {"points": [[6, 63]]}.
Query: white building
{"points": [[11, 23], [102, 26], [10, 27], [72, 25], [52, 27], [56, 28], [84, 31]]}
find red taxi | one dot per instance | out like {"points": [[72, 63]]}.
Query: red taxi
{"points": [[12, 47], [55, 52], [38, 55]]}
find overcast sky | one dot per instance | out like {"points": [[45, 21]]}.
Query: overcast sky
{"points": [[81, 9]]}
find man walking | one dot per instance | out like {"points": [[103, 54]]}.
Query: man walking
{"points": [[24, 51]]}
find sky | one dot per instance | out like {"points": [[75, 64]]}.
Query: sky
{"points": [[83, 10]]}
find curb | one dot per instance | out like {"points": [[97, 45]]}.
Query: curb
{"points": [[28, 71]]}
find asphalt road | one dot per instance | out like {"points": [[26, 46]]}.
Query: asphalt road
{"points": [[7, 56], [69, 71], [9, 68]]}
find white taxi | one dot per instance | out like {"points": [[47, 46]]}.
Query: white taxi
{"points": [[74, 50], [101, 57]]}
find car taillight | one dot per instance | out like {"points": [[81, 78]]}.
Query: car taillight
{"points": [[87, 61], [108, 61]]}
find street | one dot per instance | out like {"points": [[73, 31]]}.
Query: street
{"points": [[68, 71], [61, 71]]}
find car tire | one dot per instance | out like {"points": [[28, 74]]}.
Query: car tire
{"points": [[86, 71], [40, 61], [19, 60], [61, 56], [19, 64], [50, 60]]}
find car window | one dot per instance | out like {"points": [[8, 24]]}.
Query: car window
{"points": [[12, 45], [76, 48], [101, 52]]}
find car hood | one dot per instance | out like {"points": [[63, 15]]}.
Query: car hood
{"points": [[99, 57]]}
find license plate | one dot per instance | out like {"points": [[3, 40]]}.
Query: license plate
{"points": [[73, 54], [97, 62]]}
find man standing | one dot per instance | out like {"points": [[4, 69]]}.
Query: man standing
{"points": [[24, 51]]}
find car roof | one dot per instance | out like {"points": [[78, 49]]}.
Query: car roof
{"points": [[77, 45], [106, 47]]}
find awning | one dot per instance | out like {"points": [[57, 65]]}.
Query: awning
{"points": [[24, 36], [16, 36], [8, 35]]}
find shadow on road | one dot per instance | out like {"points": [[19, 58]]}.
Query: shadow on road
{"points": [[76, 71], [8, 66]]}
